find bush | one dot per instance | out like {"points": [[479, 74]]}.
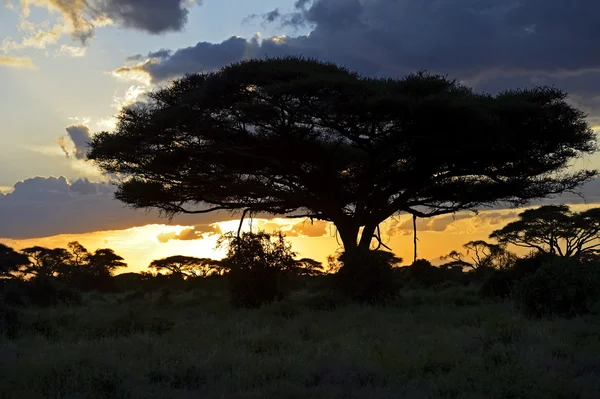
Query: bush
{"points": [[38, 292], [425, 274], [254, 288], [530, 264], [559, 287], [498, 285], [10, 321], [256, 262], [367, 276]]}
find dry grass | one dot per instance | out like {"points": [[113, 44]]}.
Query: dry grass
{"points": [[194, 345]]}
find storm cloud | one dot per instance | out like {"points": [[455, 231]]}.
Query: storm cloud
{"points": [[491, 45]]}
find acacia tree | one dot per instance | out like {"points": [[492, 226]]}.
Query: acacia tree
{"points": [[47, 262], [305, 138], [188, 266], [11, 261], [482, 254], [104, 262], [554, 229]]}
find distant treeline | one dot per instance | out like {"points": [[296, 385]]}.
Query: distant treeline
{"points": [[560, 275]]}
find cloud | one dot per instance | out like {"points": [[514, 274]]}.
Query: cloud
{"points": [[76, 146], [201, 57], [462, 223], [47, 206], [16, 62], [71, 51], [81, 17], [195, 233], [490, 45], [317, 228]]}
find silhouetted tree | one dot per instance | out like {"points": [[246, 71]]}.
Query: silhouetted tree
{"points": [[309, 267], [556, 230], [305, 138], [104, 261], [256, 262], [80, 255], [482, 255], [46, 262], [11, 261], [188, 266]]}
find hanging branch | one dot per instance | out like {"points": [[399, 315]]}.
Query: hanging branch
{"points": [[380, 243], [415, 235], [242, 221]]}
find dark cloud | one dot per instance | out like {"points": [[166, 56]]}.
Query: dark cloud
{"points": [[79, 137], [491, 44], [41, 207], [268, 17], [195, 233], [153, 16]]}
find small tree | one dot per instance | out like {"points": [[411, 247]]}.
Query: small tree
{"points": [[11, 261], [256, 261], [554, 229], [188, 266], [482, 255], [309, 267], [104, 262]]}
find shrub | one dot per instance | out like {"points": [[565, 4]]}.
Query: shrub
{"points": [[530, 264], [498, 285], [425, 274], [559, 287], [367, 276], [256, 261], [39, 292], [10, 321]]}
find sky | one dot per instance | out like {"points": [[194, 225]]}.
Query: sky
{"points": [[68, 66]]}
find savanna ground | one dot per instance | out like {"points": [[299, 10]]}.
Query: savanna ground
{"points": [[444, 343]]}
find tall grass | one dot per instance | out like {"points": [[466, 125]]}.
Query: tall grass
{"points": [[192, 344]]}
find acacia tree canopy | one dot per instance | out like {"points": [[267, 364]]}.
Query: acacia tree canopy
{"points": [[11, 261], [301, 137], [554, 229], [188, 266], [482, 255]]}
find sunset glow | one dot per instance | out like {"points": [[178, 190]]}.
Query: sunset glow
{"points": [[68, 68]]}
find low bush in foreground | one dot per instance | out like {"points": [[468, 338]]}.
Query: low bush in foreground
{"points": [[560, 287]]}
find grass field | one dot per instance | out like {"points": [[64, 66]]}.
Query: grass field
{"points": [[192, 344]]}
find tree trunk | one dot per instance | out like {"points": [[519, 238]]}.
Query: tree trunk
{"points": [[415, 236], [367, 237]]}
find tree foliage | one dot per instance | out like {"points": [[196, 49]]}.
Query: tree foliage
{"points": [[11, 261], [301, 137], [481, 254], [188, 266], [554, 229]]}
